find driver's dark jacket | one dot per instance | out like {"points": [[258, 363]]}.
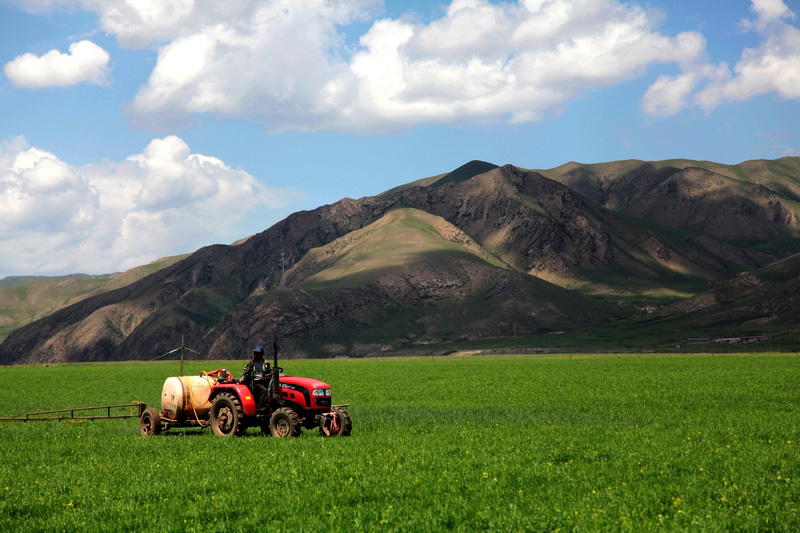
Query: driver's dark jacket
{"points": [[248, 374]]}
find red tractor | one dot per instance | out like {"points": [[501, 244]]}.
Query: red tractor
{"points": [[215, 399]]}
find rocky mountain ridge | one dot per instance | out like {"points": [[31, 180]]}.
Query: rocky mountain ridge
{"points": [[481, 252]]}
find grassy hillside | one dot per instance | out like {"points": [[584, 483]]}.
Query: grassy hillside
{"points": [[784, 172], [591, 180], [9, 282], [396, 240], [766, 301], [23, 304]]}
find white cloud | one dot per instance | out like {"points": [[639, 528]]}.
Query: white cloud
{"points": [[772, 67], [286, 64], [40, 194], [770, 10], [506, 61], [277, 65], [137, 23], [670, 94], [667, 95], [85, 62], [117, 215]]}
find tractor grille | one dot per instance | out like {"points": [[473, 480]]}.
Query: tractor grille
{"points": [[322, 401]]}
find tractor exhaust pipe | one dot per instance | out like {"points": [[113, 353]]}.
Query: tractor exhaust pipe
{"points": [[274, 383]]}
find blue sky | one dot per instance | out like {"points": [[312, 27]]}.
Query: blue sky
{"points": [[135, 130]]}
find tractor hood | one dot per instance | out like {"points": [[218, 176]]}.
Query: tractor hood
{"points": [[307, 383]]}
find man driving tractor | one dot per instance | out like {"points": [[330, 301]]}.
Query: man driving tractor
{"points": [[256, 376]]}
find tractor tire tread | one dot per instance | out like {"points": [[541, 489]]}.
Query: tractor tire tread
{"points": [[239, 424], [345, 424], [291, 417], [150, 422]]}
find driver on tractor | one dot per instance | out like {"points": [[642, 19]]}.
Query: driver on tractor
{"points": [[256, 376]]}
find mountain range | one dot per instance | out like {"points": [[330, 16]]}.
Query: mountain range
{"points": [[629, 254]]}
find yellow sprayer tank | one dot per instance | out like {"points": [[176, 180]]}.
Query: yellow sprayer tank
{"points": [[186, 396]]}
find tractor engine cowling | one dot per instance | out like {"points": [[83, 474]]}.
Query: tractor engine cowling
{"points": [[308, 393]]}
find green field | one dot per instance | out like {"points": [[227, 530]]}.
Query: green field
{"points": [[518, 443]]}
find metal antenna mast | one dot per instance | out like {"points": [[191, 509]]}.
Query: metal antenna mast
{"points": [[183, 350], [283, 273]]}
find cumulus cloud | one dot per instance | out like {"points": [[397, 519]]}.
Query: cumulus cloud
{"points": [[767, 11], [772, 67], [116, 215], [279, 63], [85, 62], [479, 61], [667, 95], [286, 64]]}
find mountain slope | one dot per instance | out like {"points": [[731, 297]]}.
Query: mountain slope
{"points": [[394, 241], [752, 201], [409, 277], [766, 300], [462, 173], [150, 316], [467, 255], [24, 301], [543, 228]]}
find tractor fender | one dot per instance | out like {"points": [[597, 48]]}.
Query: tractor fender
{"points": [[241, 391]]}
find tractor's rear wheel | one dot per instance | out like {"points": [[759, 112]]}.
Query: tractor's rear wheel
{"points": [[150, 422], [285, 422], [337, 424], [227, 416]]}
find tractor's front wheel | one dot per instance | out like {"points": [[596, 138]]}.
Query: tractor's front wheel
{"points": [[337, 423], [150, 422], [285, 422], [227, 416]]}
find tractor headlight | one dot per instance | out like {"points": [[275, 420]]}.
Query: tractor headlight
{"points": [[321, 392]]}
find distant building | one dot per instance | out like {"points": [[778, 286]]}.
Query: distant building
{"points": [[725, 340], [697, 340]]}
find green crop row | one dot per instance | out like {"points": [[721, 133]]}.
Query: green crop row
{"points": [[500, 443]]}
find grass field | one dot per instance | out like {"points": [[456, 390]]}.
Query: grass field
{"points": [[500, 443]]}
